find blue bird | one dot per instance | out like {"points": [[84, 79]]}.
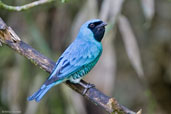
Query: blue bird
{"points": [[78, 59]]}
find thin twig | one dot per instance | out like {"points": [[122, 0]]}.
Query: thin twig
{"points": [[24, 7], [107, 103]]}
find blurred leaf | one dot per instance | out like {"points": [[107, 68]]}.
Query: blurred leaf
{"points": [[37, 37], [63, 1], [152, 104], [148, 8], [130, 44], [39, 40], [107, 14], [6, 56]]}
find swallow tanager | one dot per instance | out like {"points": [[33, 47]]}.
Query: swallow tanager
{"points": [[78, 59]]}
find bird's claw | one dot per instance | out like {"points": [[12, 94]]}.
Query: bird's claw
{"points": [[86, 87]]}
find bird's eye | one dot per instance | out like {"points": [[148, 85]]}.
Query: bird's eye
{"points": [[92, 25]]}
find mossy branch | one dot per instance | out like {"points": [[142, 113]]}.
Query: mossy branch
{"points": [[24, 7], [9, 38]]}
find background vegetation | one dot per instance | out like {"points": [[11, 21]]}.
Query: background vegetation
{"points": [[135, 66]]}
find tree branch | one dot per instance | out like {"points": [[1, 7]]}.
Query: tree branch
{"points": [[9, 38], [24, 7]]}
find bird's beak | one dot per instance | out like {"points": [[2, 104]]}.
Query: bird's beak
{"points": [[102, 24]]}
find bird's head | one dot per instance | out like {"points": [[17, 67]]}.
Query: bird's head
{"points": [[93, 29]]}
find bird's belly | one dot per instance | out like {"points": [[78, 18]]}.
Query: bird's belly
{"points": [[76, 77]]}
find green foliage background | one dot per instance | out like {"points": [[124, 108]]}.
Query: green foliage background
{"points": [[49, 29]]}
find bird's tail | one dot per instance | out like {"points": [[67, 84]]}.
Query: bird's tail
{"points": [[40, 93], [37, 96]]}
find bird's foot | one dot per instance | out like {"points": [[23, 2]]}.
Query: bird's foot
{"points": [[86, 87]]}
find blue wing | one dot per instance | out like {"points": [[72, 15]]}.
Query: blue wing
{"points": [[78, 54]]}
